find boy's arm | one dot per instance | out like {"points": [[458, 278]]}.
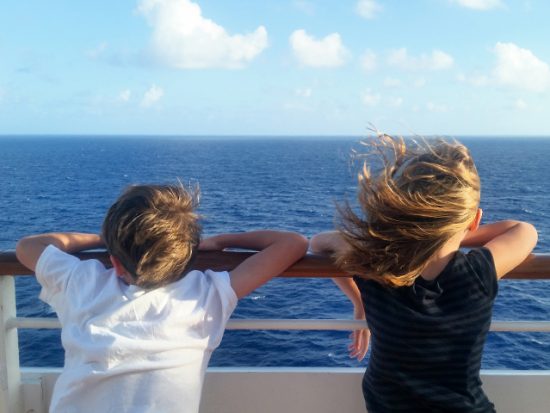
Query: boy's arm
{"points": [[329, 243], [30, 248], [510, 242], [278, 250]]}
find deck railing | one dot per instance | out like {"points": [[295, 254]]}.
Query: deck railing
{"points": [[535, 267]]}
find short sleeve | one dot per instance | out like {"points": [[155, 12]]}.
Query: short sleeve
{"points": [[483, 264], [220, 304], [53, 270], [228, 297]]}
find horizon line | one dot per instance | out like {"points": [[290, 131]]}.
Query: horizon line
{"points": [[148, 135]]}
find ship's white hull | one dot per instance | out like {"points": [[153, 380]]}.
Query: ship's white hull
{"points": [[310, 390]]}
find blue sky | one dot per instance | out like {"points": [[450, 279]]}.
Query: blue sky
{"points": [[275, 67]]}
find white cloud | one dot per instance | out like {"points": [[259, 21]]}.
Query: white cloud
{"points": [[124, 95], [304, 93], [326, 52], [368, 8], [152, 96], [520, 68], [479, 4], [392, 82], [437, 60], [370, 98], [369, 61], [184, 39], [436, 107], [520, 104]]}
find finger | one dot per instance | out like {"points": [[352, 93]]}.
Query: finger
{"points": [[365, 347], [352, 346], [358, 349], [362, 352], [359, 339]]}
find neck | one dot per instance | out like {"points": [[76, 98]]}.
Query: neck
{"points": [[441, 258]]}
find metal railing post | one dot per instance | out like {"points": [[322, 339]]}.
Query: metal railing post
{"points": [[10, 375]]}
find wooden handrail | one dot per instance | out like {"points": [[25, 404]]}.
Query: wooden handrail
{"points": [[535, 267]]}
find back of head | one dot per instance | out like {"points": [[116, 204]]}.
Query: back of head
{"points": [[417, 198], [153, 231]]}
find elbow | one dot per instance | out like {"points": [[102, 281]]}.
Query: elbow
{"points": [[527, 233], [19, 248], [24, 253], [532, 233]]}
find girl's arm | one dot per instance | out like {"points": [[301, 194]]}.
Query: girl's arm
{"points": [[278, 250], [29, 249], [327, 243], [510, 242]]}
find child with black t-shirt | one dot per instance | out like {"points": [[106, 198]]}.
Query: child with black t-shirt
{"points": [[428, 304]]}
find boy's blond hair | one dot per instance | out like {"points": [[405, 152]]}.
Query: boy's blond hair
{"points": [[153, 231], [422, 195]]}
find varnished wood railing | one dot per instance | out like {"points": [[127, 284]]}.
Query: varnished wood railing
{"points": [[535, 267]]}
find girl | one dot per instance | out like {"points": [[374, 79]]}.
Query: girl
{"points": [[428, 304]]}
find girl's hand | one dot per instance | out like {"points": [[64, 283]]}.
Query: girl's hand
{"points": [[360, 338]]}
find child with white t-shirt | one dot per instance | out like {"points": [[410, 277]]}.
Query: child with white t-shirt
{"points": [[138, 336]]}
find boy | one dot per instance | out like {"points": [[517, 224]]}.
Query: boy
{"points": [[138, 337]]}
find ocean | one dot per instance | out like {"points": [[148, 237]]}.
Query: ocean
{"points": [[53, 183]]}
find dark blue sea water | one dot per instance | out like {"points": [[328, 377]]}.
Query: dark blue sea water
{"points": [[66, 184]]}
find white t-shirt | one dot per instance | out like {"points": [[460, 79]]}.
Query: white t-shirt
{"points": [[127, 349]]}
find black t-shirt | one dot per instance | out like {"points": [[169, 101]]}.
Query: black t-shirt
{"points": [[427, 339]]}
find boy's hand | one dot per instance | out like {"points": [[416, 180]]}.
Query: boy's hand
{"points": [[277, 250], [326, 243], [210, 244]]}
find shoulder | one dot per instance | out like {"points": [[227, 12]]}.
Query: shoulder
{"points": [[53, 255], [53, 260], [481, 260], [479, 263], [209, 285], [54, 264], [63, 275]]}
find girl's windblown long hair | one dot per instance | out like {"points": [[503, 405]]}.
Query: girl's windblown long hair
{"points": [[419, 196]]}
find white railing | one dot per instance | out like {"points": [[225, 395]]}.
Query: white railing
{"points": [[11, 393], [10, 375], [292, 324]]}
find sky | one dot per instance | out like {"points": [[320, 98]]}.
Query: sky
{"points": [[275, 67]]}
